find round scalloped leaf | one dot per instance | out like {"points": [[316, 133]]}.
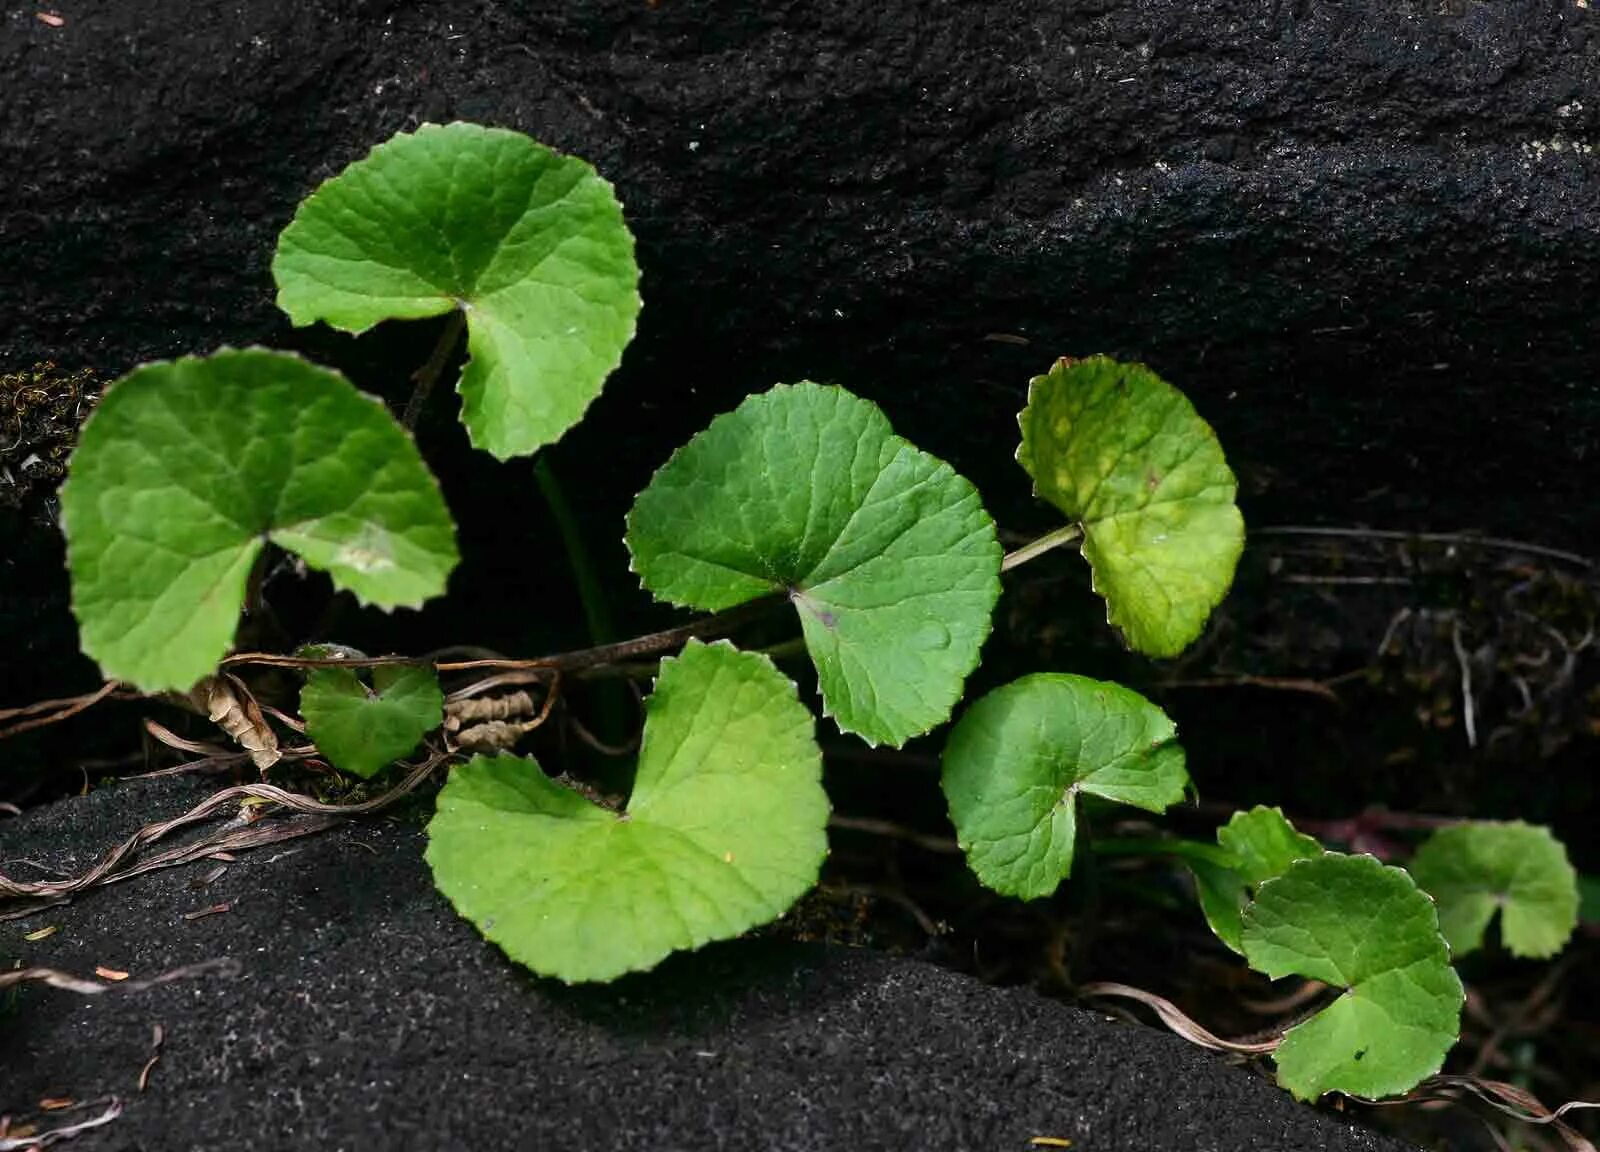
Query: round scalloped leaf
{"points": [[1359, 925], [886, 553], [362, 730], [1016, 761], [1521, 870], [531, 244], [1123, 453], [188, 467], [726, 829]]}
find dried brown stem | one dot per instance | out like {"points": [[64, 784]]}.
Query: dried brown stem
{"points": [[1460, 539], [1275, 683], [227, 966], [1174, 1019], [717, 624], [66, 709], [112, 867]]}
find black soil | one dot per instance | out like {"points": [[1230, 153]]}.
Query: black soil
{"points": [[363, 1014]]}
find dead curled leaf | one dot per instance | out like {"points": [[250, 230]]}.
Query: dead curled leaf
{"points": [[1174, 1019], [231, 707], [460, 713], [490, 723], [492, 736]]}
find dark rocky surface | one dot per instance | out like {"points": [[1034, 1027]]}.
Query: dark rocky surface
{"points": [[365, 1015], [1363, 235]]}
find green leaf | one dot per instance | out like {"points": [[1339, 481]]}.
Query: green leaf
{"points": [[725, 830], [364, 730], [1520, 870], [1119, 450], [1222, 892], [1253, 847], [531, 244], [188, 467], [885, 552], [1356, 924], [1264, 843], [1017, 760]]}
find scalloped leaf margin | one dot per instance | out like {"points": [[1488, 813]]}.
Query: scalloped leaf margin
{"points": [[530, 244], [725, 830], [1018, 759], [1357, 924], [1123, 454], [884, 551], [188, 467]]}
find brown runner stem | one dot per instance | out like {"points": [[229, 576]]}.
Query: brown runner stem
{"points": [[717, 624]]}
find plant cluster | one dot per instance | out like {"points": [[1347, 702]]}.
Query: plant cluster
{"points": [[801, 500]]}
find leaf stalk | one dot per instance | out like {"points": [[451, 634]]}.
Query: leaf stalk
{"points": [[428, 375], [1035, 548]]}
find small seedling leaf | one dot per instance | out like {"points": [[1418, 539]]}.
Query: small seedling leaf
{"points": [[726, 828], [1253, 847], [1222, 892], [1016, 762], [362, 730], [1124, 454], [189, 466], [1264, 843], [1359, 925], [1520, 870], [530, 243], [885, 552]]}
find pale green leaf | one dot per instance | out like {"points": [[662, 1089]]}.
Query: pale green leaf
{"points": [[1520, 870], [885, 552], [1017, 760], [1123, 453], [187, 467], [531, 244], [362, 730], [1358, 925], [725, 830]]}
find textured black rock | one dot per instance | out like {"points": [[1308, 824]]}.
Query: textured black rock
{"points": [[365, 1015], [1364, 235]]}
